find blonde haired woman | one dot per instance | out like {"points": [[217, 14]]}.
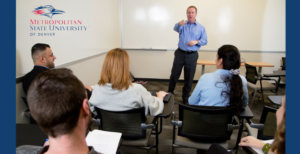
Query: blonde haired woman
{"points": [[115, 92]]}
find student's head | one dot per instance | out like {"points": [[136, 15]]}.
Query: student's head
{"points": [[42, 55], [278, 146], [228, 57], [115, 69], [191, 13], [57, 101]]}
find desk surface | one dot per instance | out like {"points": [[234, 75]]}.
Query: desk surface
{"points": [[29, 134], [256, 64], [247, 113], [168, 108], [275, 74], [275, 99]]}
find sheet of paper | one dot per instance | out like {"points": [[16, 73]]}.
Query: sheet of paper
{"points": [[103, 141], [259, 151]]}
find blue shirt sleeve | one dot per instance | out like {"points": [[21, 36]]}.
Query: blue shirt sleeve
{"points": [[203, 39], [194, 99], [178, 28]]}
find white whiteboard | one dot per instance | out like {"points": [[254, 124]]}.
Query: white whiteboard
{"points": [[101, 33], [256, 25]]}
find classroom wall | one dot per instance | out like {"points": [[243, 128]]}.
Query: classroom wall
{"points": [[256, 25], [85, 28]]}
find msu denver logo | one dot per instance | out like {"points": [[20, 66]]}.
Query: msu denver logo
{"points": [[47, 10]]}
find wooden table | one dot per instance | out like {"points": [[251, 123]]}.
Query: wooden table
{"points": [[212, 62]]}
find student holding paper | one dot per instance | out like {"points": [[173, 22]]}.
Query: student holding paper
{"points": [[278, 145], [58, 102], [115, 92]]}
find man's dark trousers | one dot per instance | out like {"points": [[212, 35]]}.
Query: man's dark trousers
{"points": [[188, 60]]}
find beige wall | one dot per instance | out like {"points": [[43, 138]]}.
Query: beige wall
{"points": [[144, 64]]}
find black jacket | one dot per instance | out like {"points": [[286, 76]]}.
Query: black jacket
{"points": [[28, 78]]}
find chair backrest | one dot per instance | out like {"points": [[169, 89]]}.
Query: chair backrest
{"points": [[283, 63], [268, 118], [251, 73], [25, 101], [206, 123], [32, 121], [126, 122]]}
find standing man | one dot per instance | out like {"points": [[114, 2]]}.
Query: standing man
{"points": [[192, 36]]}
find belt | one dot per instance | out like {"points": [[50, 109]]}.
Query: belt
{"points": [[186, 52]]}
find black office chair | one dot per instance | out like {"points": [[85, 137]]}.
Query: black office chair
{"points": [[283, 63], [27, 112], [267, 126], [200, 126], [252, 77], [132, 125]]}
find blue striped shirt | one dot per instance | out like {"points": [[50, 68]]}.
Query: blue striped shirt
{"points": [[191, 32]]}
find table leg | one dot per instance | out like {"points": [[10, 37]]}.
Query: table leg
{"points": [[259, 69], [160, 127], [203, 68], [278, 81], [239, 135]]}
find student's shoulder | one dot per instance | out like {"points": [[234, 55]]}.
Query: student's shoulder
{"points": [[244, 80], [207, 75], [137, 86]]}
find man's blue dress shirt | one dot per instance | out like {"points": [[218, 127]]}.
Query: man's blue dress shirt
{"points": [[191, 32]]}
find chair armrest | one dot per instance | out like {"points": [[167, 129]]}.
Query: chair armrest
{"points": [[231, 127], [27, 113], [96, 121], [263, 78], [173, 122], [146, 126], [253, 125]]}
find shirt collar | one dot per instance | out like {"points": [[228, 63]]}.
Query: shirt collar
{"points": [[222, 71], [42, 66], [193, 23]]}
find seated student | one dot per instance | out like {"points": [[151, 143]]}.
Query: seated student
{"points": [[115, 92], [278, 145], [64, 114], [43, 59], [224, 87]]}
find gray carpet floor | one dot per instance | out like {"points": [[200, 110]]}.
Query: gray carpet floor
{"points": [[165, 138]]}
